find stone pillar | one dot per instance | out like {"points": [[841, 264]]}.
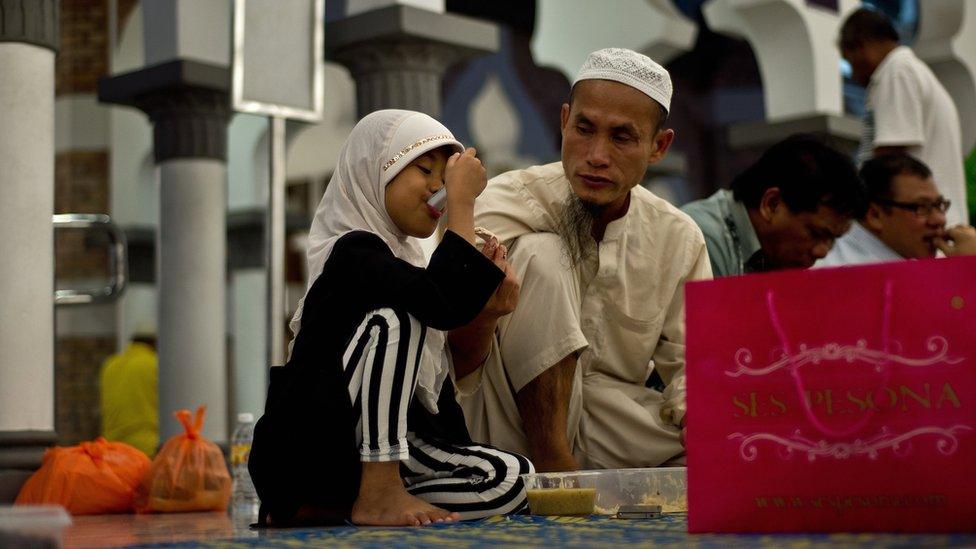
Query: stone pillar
{"points": [[398, 54], [187, 102], [359, 6], [841, 132], [28, 43], [946, 40]]}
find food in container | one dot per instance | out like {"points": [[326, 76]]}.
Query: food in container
{"points": [[568, 493], [562, 501]]}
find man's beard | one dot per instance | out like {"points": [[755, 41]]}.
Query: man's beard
{"points": [[575, 228]]}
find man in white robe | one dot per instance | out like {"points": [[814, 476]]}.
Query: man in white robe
{"points": [[602, 263]]}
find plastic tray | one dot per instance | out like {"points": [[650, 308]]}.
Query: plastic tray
{"points": [[664, 486], [32, 525]]}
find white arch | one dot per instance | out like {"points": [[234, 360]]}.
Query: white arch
{"points": [[567, 30], [946, 40], [313, 150], [794, 44]]}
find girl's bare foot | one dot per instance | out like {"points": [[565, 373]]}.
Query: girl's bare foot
{"points": [[383, 501], [395, 507]]}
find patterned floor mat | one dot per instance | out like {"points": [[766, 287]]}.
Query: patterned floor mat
{"points": [[565, 532]]}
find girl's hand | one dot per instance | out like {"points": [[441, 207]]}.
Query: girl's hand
{"points": [[465, 177]]}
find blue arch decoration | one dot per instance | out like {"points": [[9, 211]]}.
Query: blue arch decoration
{"points": [[536, 137]]}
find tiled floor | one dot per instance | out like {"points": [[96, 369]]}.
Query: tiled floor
{"points": [[121, 530]]}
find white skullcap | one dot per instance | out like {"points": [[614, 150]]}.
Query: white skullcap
{"points": [[631, 68]]}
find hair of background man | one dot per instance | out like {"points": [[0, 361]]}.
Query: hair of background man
{"points": [[808, 174], [879, 173], [867, 25], [662, 113]]}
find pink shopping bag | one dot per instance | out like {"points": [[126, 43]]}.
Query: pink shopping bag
{"points": [[834, 400]]}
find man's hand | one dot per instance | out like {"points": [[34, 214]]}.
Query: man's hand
{"points": [[506, 296], [471, 344], [957, 241]]}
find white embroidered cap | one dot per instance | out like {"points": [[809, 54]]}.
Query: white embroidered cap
{"points": [[414, 134], [631, 68]]}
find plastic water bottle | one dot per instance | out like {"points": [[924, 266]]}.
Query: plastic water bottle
{"points": [[244, 499]]}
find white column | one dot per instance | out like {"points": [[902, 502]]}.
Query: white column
{"points": [[250, 370], [795, 44], [183, 89], [191, 275], [27, 243], [197, 30]]}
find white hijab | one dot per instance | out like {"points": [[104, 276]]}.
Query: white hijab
{"points": [[377, 149]]}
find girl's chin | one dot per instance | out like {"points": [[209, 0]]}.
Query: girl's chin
{"points": [[423, 232]]}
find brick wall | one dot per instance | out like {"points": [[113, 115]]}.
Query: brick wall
{"points": [[84, 46], [80, 186], [77, 362], [81, 182]]}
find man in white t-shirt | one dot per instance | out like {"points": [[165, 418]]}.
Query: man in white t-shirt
{"points": [[908, 109]]}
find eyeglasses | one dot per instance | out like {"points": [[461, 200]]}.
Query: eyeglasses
{"points": [[920, 209]]}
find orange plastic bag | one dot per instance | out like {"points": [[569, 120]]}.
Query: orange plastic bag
{"points": [[89, 479], [188, 474]]}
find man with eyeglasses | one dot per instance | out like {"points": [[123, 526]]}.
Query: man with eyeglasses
{"points": [[905, 219]]}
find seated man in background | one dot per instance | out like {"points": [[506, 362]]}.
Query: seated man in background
{"points": [[129, 397], [602, 262], [905, 218], [782, 212]]}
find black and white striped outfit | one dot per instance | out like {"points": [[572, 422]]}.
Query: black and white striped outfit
{"points": [[381, 374], [347, 393]]}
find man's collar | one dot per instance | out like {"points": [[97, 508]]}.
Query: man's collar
{"points": [[747, 239], [616, 228], [869, 243]]}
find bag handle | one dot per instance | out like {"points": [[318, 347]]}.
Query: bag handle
{"points": [[192, 426], [794, 368]]}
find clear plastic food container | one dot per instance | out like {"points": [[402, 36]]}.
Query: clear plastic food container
{"points": [[32, 525], [604, 492]]}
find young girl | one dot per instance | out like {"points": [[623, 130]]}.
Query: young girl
{"points": [[361, 423]]}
